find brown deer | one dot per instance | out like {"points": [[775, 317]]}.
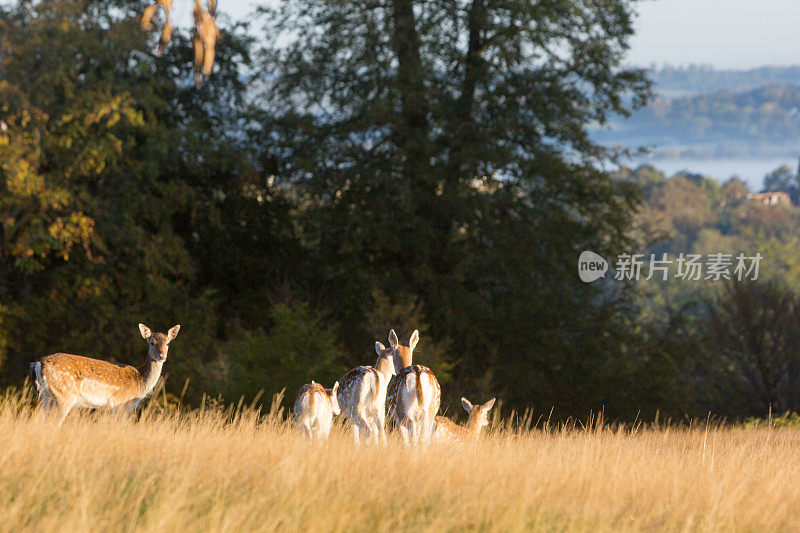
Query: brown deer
{"points": [[314, 409], [414, 393], [445, 429], [166, 30], [65, 381], [204, 41], [362, 396]]}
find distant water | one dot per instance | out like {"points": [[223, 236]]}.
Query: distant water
{"points": [[752, 171]]}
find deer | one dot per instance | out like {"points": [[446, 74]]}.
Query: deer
{"points": [[166, 30], [64, 381], [414, 393], [314, 409], [362, 396], [445, 429], [204, 40]]}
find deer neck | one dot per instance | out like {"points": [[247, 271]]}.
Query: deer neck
{"points": [[150, 373], [385, 365], [402, 358], [473, 426]]}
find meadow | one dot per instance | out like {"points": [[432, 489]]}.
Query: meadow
{"points": [[213, 469]]}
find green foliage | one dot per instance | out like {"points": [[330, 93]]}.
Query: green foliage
{"points": [[789, 419], [404, 314], [442, 155], [408, 165], [784, 179], [297, 348]]}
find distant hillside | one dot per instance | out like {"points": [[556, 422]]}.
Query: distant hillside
{"points": [[700, 79], [753, 122]]}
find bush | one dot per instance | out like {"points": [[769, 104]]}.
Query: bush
{"points": [[298, 347]]}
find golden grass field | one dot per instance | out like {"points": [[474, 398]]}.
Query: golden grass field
{"points": [[208, 470]]}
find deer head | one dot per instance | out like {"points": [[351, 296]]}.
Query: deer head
{"points": [[385, 362], [402, 353], [158, 342], [478, 414]]}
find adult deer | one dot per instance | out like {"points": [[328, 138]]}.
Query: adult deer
{"points": [[414, 394], [65, 381], [445, 429], [204, 40], [362, 396], [314, 409], [166, 30]]}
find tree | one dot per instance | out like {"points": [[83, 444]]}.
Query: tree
{"points": [[441, 152], [110, 163], [783, 179], [750, 346]]}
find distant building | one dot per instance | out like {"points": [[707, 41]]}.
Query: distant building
{"points": [[771, 198]]}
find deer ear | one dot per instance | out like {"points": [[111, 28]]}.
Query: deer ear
{"points": [[379, 348], [173, 332], [488, 405], [466, 404], [145, 331], [412, 342], [393, 342]]}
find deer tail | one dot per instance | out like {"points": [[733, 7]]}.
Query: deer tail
{"points": [[377, 389], [419, 385], [36, 376]]}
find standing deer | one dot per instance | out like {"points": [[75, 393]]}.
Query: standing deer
{"points": [[414, 394], [445, 429], [65, 381], [204, 40], [166, 30], [314, 409], [362, 396]]}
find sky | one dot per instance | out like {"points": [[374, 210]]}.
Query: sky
{"points": [[728, 34]]}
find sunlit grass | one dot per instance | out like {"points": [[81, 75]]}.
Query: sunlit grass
{"points": [[238, 470]]}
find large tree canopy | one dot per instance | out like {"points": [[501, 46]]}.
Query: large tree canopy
{"points": [[442, 152]]}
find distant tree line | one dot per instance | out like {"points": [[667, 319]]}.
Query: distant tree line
{"points": [[736, 345], [763, 119], [698, 79]]}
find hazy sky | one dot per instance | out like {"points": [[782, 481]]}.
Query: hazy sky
{"points": [[722, 33]]}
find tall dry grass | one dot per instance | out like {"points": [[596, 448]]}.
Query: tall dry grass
{"points": [[222, 471]]}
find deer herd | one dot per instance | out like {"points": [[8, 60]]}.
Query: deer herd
{"points": [[410, 392]]}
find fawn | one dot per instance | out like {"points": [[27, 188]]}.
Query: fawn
{"points": [[314, 409], [445, 429]]}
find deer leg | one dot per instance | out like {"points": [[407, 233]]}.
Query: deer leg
{"points": [[360, 418], [354, 429], [64, 408], [380, 418], [406, 431], [47, 404], [325, 429], [305, 427], [415, 430], [427, 426], [374, 432]]}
